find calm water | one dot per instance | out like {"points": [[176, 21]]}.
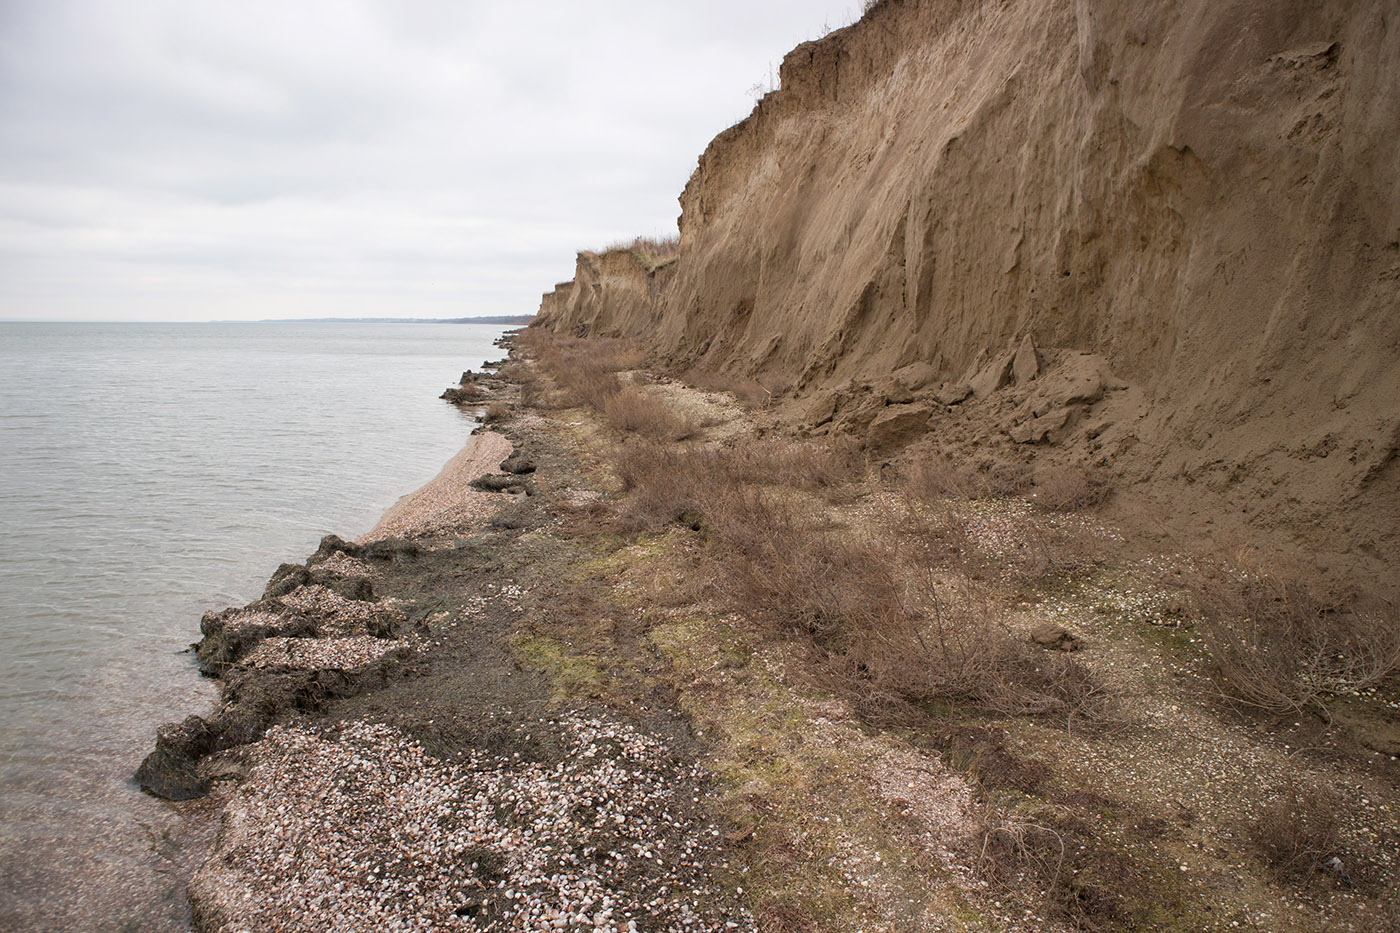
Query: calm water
{"points": [[148, 473]]}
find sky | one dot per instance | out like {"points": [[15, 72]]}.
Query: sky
{"points": [[200, 159]]}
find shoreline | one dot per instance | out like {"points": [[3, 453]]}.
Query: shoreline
{"points": [[334, 613], [402, 649], [593, 710]]}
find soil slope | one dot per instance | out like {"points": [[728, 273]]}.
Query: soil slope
{"points": [[1191, 206]]}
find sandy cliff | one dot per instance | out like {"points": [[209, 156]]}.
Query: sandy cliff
{"points": [[1192, 208]]}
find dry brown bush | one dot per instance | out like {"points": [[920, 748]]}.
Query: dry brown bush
{"points": [[889, 636], [1039, 551], [663, 482], [634, 412], [590, 385], [1296, 831], [750, 393], [586, 370], [496, 412], [882, 629], [516, 371], [938, 478], [1059, 855], [534, 392], [807, 465], [1276, 645], [1065, 488]]}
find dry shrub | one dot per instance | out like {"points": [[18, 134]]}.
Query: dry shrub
{"points": [[808, 465], [633, 412], [533, 390], [887, 634], [496, 412], [938, 478], [1036, 550], [471, 390], [750, 393], [882, 630], [798, 577], [1062, 488], [516, 371], [1058, 855], [1276, 646], [591, 385], [663, 483], [1296, 831]]}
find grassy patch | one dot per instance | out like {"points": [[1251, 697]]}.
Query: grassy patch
{"points": [[574, 674]]}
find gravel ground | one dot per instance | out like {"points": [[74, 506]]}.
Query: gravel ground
{"points": [[353, 827], [448, 502], [452, 794]]}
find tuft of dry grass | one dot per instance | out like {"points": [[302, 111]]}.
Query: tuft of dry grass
{"points": [[750, 393], [651, 251], [938, 478], [1277, 646], [882, 630], [664, 482], [1061, 488], [633, 412], [496, 412], [1296, 831]]}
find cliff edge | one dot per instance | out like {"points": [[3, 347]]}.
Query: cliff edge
{"points": [[1185, 217]]}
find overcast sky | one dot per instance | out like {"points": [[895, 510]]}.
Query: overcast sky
{"points": [[189, 160]]}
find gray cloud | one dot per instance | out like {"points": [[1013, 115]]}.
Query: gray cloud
{"points": [[169, 160]]}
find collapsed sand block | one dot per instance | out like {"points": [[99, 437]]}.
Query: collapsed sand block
{"points": [[951, 393], [1026, 365], [898, 425], [994, 375], [896, 392]]}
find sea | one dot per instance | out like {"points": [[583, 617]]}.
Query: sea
{"points": [[148, 473]]}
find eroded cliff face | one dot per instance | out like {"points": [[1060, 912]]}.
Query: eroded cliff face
{"points": [[1202, 195]]}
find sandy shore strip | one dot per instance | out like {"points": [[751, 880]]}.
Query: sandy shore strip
{"points": [[447, 501]]}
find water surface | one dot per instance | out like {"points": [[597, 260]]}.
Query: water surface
{"points": [[149, 473]]}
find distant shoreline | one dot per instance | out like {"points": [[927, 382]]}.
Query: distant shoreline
{"points": [[496, 319]]}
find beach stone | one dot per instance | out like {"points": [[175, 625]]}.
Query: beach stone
{"points": [[469, 394], [172, 769], [357, 587], [388, 549]]}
